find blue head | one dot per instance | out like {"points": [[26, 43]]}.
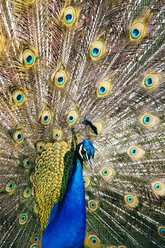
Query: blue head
{"points": [[85, 151]]}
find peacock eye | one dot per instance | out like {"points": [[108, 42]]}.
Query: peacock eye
{"points": [[93, 240], [29, 57], [137, 31], [10, 186], [151, 81], [149, 120], [60, 78], [107, 173], [35, 239], [72, 117], [18, 136], [86, 182], [23, 218], [27, 163], [57, 133], [70, 16], [133, 151], [46, 117], [161, 231], [104, 88], [146, 119], [131, 201], [17, 97], [71, 142], [34, 246], [136, 152], [158, 188], [92, 205], [148, 82], [27, 192], [40, 146], [97, 50]]}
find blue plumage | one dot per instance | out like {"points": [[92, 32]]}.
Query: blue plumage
{"points": [[65, 64], [67, 221]]}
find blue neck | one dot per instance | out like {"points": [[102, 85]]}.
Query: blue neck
{"points": [[67, 222]]}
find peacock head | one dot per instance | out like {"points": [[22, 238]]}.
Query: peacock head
{"points": [[86, 151]]}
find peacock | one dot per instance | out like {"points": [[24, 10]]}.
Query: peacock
{"points": [[82, 138]]}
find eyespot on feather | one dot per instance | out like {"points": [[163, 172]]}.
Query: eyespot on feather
{"points": [[135, 152], [70, 15], [35, 245], [139, 27], [93, 241], [158, 187], [35, 238], [97, 50], [57, 133], [28, 57], [104, 88], [23, 218], [131, 200], [17, 97], [107, 173], [137, 31], [72, 143], [161, 231], [27, 163], [60, 78], [18, 136], [86, 182], [72, 117], [149, 120], [27, 192], [10, 187], [151, 81], [46, 116], [40, 146], [92, 205]]}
